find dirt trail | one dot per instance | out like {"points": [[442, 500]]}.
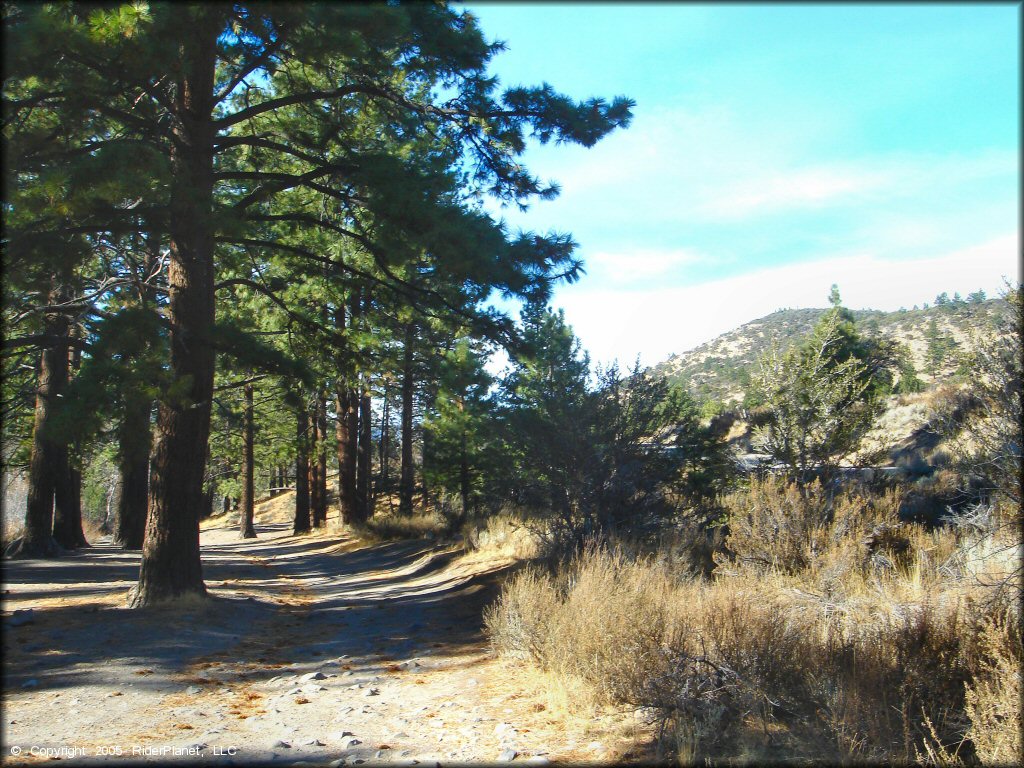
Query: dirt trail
{"points": [[313, 648]]}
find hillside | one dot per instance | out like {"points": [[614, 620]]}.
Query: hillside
{"points": [[721, 368]]}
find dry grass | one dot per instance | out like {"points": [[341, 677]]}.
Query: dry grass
{"points": [[829, 631], [389, 526], [504, 534]]}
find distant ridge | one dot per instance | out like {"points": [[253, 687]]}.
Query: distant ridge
{"points": [[721, 368]]}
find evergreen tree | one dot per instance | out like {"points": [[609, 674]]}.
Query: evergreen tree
{"points": [[819, 400], [460, 436], [215, 94]]}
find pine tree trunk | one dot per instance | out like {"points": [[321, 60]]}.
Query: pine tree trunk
{"points": [[301, 524], [134, 442], [46, 458], [321, 427], [364, 455], [63, 499], [171, 565], [314, 469], [345, 431], [464, 469], [382, 454], [246, 528], [407, 480], [67, 506], [67, 491], [346, 458]]}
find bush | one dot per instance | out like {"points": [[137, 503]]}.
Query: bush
{"points": [[994, 695], [776, 526], [830, 631]]}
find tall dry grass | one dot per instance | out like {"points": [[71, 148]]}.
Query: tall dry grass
{"points": [[829, 630]]}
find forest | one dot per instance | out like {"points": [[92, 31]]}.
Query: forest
{"points": [[267, 347]]}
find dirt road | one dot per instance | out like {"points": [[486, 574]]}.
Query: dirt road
{"points": [[314, 649]]}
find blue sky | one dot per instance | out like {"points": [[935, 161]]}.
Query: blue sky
{"points": [[774, 150]]}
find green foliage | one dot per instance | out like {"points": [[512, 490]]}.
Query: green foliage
{"points": [[941, 347], [460, 428], [907, 381], [820, 399], [622, 453]]}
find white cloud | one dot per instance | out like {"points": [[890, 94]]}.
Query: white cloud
{"points": [[791, 189], [709, 164], [642, 263], [655, 323]]}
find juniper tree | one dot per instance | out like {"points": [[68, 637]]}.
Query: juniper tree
{"points": [[819, 403]]}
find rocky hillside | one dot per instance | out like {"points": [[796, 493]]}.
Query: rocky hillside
{"points": [[936, 339]]}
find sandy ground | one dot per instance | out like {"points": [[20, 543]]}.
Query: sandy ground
{"points": [[314, 649]]}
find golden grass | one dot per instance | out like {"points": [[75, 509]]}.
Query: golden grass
{"points": [[829, 631]]}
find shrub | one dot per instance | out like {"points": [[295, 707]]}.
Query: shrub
{"points": [[830, 631], [993, 698]]}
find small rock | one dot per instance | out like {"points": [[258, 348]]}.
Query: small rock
{"points": [[192, 690], [30, 683], [198, 746], [502, 728], [22, 616], [313, 688], [379, 754], [315, 743], [349, 743], [314, 676], [341, 735], [399, 735], [472, 682], [281, 744], [372, 692], [293, 691], [507, 756], [337, 763]]}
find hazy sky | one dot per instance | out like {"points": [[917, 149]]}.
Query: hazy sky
{"points": [[774, 150]]}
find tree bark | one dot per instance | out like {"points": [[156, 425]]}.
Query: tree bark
{"points": [[364, 451], [346, 457], [67, 491], [171, 565], [314, 467], [463, 468], [134, 442], [407, 479], [48, 456], [345, 430], [301, 524], [382, 454], [64, 499], [321, 427], [247, 529]]}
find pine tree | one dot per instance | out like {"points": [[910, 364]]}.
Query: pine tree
{"points": [[219, 96]]}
